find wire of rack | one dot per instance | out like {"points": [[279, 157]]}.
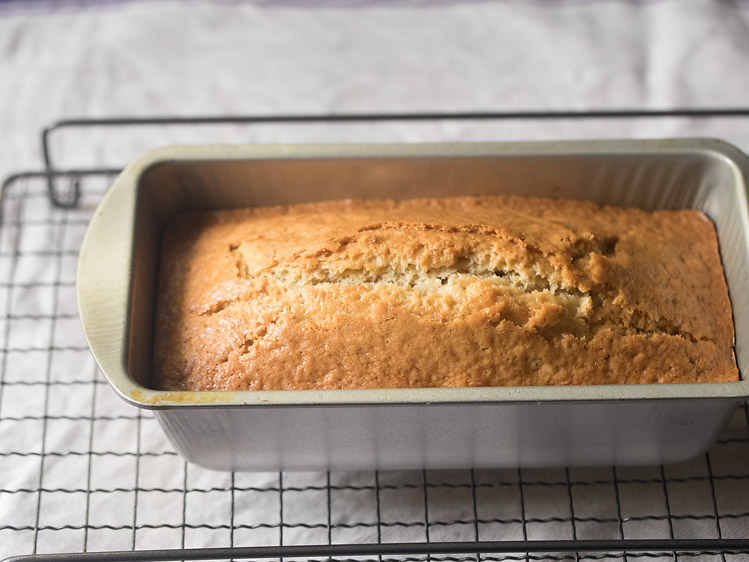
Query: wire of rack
{"points": [[69, 487]]}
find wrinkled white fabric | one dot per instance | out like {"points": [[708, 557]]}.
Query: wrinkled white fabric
{"points": [[174, 58]]}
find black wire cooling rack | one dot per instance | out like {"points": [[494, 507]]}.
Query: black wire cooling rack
{"points": [[70, 485]]}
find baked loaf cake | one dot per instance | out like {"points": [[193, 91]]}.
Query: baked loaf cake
{"points": [[468, 291]]}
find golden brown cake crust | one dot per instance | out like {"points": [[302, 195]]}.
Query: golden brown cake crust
{"points": [[468, 291]]}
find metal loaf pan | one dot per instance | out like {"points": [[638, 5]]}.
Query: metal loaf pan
{"points": [[409, 428]]}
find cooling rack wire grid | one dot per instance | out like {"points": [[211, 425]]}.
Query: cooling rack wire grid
{"points": [[81, 471]]}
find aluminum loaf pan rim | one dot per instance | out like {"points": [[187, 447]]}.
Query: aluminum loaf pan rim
{"points": [[106, 265]]}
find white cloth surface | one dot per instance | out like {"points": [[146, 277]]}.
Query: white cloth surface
{"points": [[63, 60], [151, 58]]}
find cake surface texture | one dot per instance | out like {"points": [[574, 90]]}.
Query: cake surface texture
{"points": [[453, 292]]}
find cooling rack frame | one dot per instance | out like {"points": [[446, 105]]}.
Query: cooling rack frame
{"points": [[65, 188]]}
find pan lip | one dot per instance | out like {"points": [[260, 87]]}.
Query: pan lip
{"points": [[150, 399], [112, 356], [173, 153]]}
